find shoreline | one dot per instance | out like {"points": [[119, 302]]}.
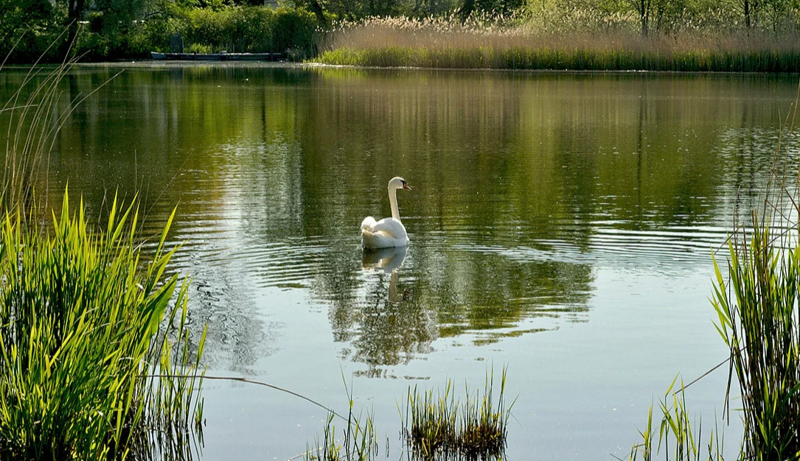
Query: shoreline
{"points": [[176, 64]]}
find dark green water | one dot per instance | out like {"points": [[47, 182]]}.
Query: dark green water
{"points": [[560, 224]]}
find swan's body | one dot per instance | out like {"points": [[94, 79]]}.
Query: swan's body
{"points": [[388, 232]]}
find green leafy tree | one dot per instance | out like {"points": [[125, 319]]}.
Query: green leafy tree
{"points": [[28, 20]]}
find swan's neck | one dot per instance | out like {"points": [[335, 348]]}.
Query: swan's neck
{"points": [[393, 203]]}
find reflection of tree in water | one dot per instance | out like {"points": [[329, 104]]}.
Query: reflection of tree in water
{"points": [[388, 327], [280, 179], [390, 315], [391, 332]]}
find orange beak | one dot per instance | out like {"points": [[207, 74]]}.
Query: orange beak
{"points": [[406, 186]]}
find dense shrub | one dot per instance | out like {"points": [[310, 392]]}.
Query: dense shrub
{"points": [[249, 29], [240, 29]]}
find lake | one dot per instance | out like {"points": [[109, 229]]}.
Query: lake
{"points": [[561, 225]]}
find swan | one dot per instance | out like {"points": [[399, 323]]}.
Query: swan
{"points": [[388, 232]]}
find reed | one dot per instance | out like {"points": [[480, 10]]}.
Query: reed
{"points": [[758, 320], [31, 124], [80, 338], [436, 424], [511, 44], [756, 301], [358, 439], [676, 434]]}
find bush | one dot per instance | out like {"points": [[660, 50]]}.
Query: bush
{"points": [[251, 29]]}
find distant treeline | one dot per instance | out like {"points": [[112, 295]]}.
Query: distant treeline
{"points": [[119, 29]]}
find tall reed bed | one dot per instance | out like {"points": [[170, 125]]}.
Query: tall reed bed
{"points": [[80, 338], [484, 44], [436, 424]]}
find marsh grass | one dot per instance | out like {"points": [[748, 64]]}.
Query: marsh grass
{"points": [[679, 438], [31, 120], [758, 320], [513, 44], [438, 425], [759, 317], [756, 301], [357, 443], [80, 337], [96, 359]]}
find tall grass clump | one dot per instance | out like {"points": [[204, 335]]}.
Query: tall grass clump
{"points": [[436, 424], [358, 438], [80, 340], [357, 443], [756, 298], [759, 321], [677, 435]]}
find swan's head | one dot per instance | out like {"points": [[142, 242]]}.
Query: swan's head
{"points": [[398, 183]]}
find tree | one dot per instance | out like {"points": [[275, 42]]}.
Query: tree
{"points": [[643, 8], [19, 17]]}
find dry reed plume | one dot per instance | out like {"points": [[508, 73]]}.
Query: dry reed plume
{"points": [[519, 43]]}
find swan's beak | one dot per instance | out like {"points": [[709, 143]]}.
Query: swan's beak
{"points": [[406, 186]]}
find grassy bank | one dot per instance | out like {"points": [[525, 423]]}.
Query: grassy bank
{"points": [[478, 45]]}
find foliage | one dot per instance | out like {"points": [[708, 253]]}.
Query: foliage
{"points": [[80, 339], [112, 29], [249, 29], [28, 27]]}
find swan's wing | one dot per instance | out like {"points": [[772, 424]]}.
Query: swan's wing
{"points": [[387, 232], [390, 226]]}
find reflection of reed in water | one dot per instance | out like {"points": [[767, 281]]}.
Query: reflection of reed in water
{"points": [[389, 260]]}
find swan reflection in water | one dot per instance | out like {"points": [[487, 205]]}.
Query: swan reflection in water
{"points": [[389, 261]]}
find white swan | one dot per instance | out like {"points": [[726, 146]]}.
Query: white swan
{"points": [[388, 232]]}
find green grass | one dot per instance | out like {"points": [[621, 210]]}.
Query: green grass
{"points": [[436, 424], [80, 336], [575, 59], [358, 441], [758, 320], [676, 434], [95, 356]]}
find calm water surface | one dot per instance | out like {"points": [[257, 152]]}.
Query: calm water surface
{"points": [[561, 225]]}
